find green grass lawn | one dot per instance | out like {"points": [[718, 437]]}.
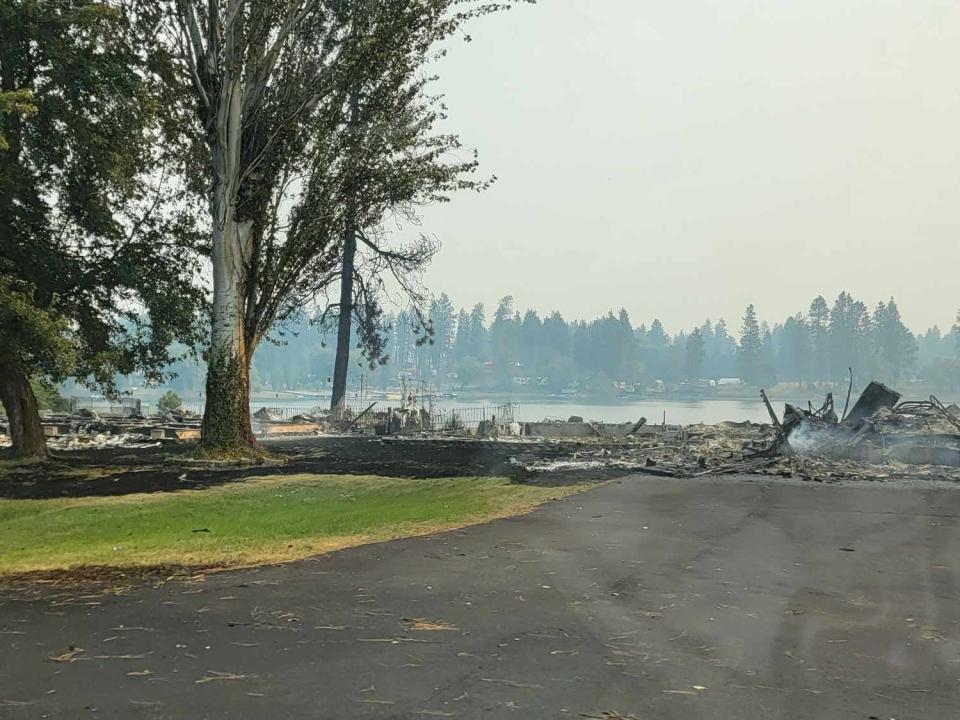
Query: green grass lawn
{"points": [[259, 520]]}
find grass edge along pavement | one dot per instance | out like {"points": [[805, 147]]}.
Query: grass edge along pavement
{"points": [[260, 520]]}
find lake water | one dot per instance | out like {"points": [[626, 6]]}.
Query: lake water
{"points": [[678, 412]]}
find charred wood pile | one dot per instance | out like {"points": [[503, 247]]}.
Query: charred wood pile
{"points": [[880, 438], [878, 429]]}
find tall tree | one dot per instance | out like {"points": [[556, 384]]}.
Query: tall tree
{"points": [[479, 335], [818, 321], [694, 354], [96, 250], [793, 358], [504, 339], [750, 350], [262, 78], [531, 343], [273, 85], [394, 162], [722, 352], [461, 342], [894, 344], [444, 331], [849, 329], [654, 350]]}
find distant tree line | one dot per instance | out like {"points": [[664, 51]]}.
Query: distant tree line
{"points": [[609, 355], [610, 351]]}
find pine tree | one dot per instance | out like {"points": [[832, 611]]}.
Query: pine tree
{"points": [[850, 327], [531, 347], [750, 351], [794, 356], [818, 322], [894, 344], [694, 355], [504, 340], [444, 331], [654, 352], [479, 338], [461, 343]]}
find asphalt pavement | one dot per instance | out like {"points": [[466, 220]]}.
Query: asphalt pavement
{"points": [[648, 598]]}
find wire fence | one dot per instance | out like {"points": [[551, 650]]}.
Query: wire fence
{"points": [[391, 419], [124, 406], [472, 417]]}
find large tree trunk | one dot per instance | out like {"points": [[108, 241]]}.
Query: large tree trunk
{"points": [[226, 417], [23, 415], [341, 366], [344, 326]]}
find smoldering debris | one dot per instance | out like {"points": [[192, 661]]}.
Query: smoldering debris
{"points": [[881, 438], [879, 429]]}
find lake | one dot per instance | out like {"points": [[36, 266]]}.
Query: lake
{"points": [[678, 412]]}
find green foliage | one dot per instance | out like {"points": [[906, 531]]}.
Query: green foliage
{"points": [[443, 321], [223, 429], [35, 337], [48, 397], [313, 128], [169, 401], [15, 101], [97, 248]]}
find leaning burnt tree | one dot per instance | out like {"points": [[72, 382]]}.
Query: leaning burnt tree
{"points": [[270, 81], [394, 162]]}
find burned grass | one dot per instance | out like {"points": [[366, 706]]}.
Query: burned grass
{"points": [[108, 472]]}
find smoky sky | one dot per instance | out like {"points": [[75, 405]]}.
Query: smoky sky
{"points": [[682, 158]]}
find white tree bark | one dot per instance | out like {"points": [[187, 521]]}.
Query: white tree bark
{"points": [[226, 417]]}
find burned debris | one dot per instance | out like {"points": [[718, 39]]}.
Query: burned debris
{"points": [[879, 429], [881, 437]]}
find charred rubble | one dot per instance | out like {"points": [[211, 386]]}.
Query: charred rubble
{"points": [[881, 438], [880, 429]]}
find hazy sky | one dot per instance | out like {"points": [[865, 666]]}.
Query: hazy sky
{"points": [[683, 158]]}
